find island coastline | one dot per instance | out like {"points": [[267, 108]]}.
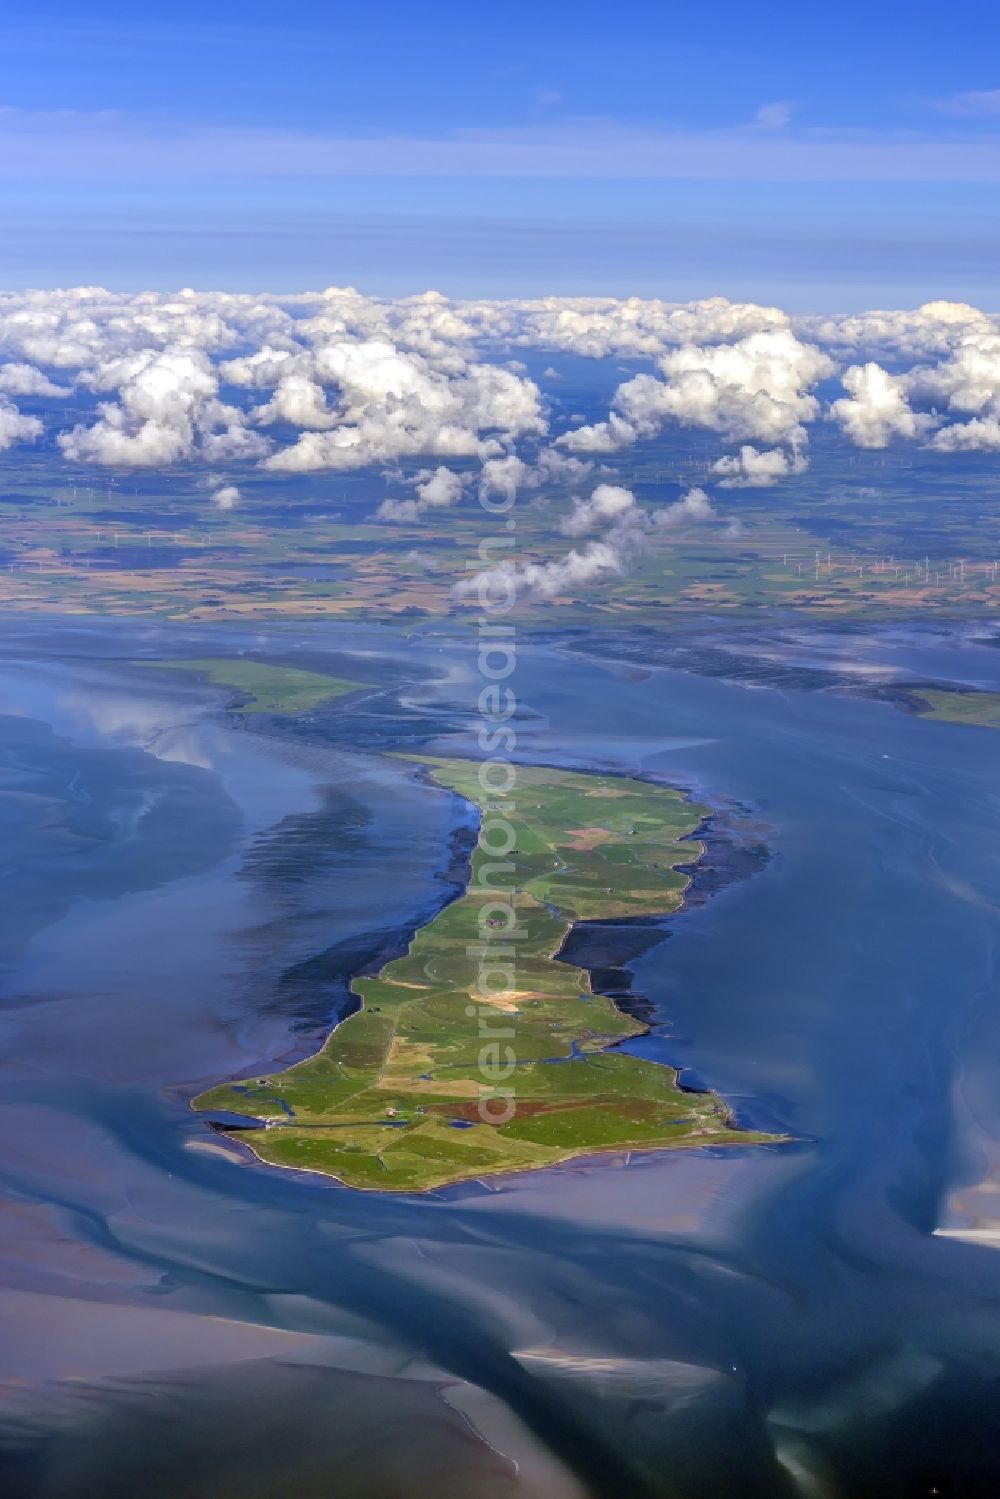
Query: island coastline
{"points": [[619, 939]]}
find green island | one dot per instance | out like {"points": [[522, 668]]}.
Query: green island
{"points": [[269, 688], [981, 709], [394, 1099]]}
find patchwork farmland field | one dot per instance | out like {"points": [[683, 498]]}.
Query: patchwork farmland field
{"points": [[400, 1096]]}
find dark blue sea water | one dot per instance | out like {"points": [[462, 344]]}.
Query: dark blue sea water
{"points": [[184, 898]]}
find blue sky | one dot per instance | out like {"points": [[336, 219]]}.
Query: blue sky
{"points": [[783, 152]]}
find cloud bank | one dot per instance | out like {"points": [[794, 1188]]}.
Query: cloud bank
{"points": [[629, 530], [337, 381], [436, 489]]}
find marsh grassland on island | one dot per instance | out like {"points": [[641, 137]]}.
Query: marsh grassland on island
{"points": [[267, 687], [395, 1098], [968, 707]]}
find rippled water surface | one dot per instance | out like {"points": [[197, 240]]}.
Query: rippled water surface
{"points": [[186, 899]]}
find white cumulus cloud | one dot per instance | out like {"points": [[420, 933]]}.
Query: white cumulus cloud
{"points": [[980, 435], [758, 388], [599, 437], [755, 468], [217, 377], [599, 327], [694, 508], [502, 476], [931, 329], [167, 410], [395, 404], [609, 502], [546, 580], [876, 408], [26, 380], [14, 427], [436, 489], [630, 529]]}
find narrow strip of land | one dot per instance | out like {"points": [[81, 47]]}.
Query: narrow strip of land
{"points": [[265, 686], [394, 1099], [969, 707]]}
